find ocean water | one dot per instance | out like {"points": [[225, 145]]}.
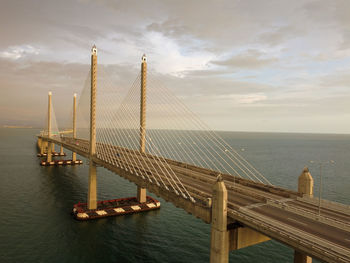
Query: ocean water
{"points": [[36, 225]]}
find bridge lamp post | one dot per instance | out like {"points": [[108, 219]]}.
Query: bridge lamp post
{"points": [[320, 186]]}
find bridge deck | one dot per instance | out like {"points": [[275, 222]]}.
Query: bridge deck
{"points": [[278, 213]]}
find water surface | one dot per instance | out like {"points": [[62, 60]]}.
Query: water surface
{"points": [[36, 226]]}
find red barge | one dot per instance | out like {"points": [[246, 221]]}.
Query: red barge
{"points": [[114, 207]]}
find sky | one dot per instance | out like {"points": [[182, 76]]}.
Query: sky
{"points": [[252, 65]]}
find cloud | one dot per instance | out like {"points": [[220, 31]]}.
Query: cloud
{"points": [[279, 35], [169, 57], [251, 59], [16, 52], [249, 98]]}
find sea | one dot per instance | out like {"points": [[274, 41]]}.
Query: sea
{"points": [[35, 203]]}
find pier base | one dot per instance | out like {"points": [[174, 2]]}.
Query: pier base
{"points": [[114, 207], [141, 194]]}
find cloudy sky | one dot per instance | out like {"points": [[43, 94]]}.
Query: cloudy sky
{"points": [[240, 65]]}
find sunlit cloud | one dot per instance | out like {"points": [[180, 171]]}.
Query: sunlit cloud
{"points": [[170, 57]]}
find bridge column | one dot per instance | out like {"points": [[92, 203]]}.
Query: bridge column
{"points": [[39, 142], [74, 154], [219, 243], [49, 153], [300, 257], [141, 192], [49, 145], [306, 188], [92, 194], [43, 147]]}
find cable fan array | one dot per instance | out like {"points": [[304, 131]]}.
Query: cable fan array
{"points": [[182, 136], [118, 137], [173, 132], [83, 110]]}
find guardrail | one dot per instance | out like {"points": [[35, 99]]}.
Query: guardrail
{"points": [[319, 247], [345, 209], [305, 213]]}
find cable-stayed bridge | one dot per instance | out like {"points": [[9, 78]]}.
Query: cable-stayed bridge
{"points": [[181, 160]]}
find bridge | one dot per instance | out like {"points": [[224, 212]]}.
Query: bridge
{"points": [[199, 172]]}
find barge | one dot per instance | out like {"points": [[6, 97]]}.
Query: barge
{"points": [[60, 162], [115, 207], [53, 154]]}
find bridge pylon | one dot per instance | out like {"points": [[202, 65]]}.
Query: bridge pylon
{"points": [[141, 191], [92, 192], [74, 154], [49, 146]]}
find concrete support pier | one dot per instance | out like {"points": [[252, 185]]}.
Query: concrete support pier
{"points": [[300, 257], [74, 156], [141, 192], [49, 153], [92, 194], [39, 143], [305, 187], [219, 243], [43, 147]]}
